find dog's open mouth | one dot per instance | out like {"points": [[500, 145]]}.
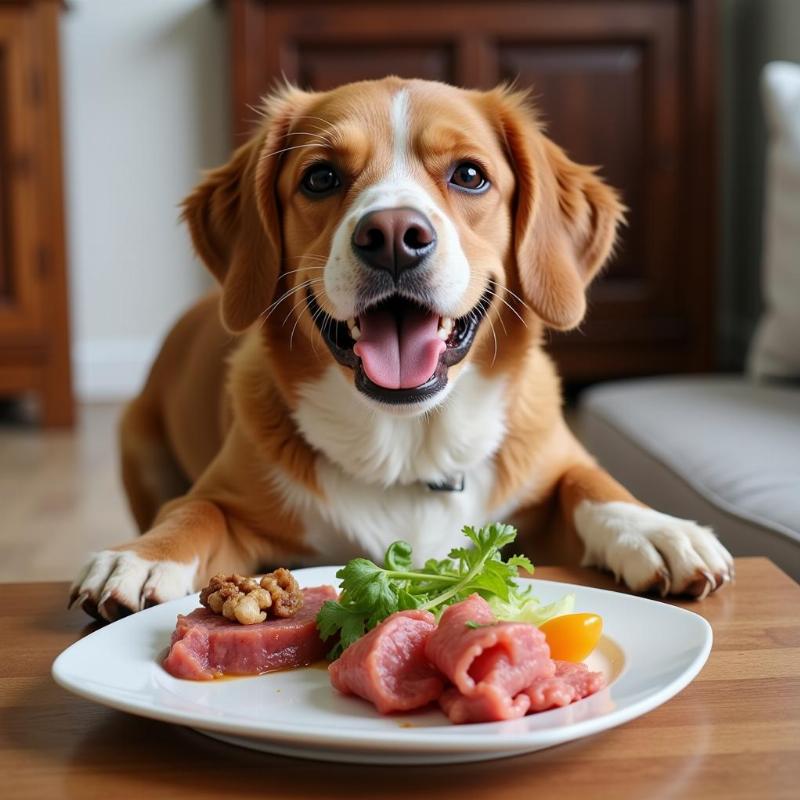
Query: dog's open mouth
{"points": [[400, 350]]}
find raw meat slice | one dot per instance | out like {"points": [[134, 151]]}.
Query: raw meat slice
{"points": [[571, 682], [486, 705], [388, 667], [507, 654], [489, 664], [205, 645]]}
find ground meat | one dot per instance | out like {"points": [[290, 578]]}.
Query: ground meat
{"points": [[248, 600]]}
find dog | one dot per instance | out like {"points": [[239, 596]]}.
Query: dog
{"points": [[390, 254]]}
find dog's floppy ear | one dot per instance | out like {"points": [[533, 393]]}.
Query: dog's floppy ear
{"points": [[565, 217], [234, 217]]}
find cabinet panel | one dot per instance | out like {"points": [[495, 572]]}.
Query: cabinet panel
{"points": [[20, 290], [590, 98], [325, 66], [6, 255], [34, 324]]}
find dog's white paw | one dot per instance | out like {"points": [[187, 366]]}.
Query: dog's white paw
{"points": [[649, 550], [115, 583]]}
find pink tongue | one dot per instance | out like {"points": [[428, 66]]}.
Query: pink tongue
{"points": [[399, 357]]}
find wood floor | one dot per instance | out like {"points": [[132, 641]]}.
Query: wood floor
{"points": [[60, 495]]}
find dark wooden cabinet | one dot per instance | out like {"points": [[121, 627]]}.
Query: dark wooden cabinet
{"points": [[34, 331], [624, 84]]}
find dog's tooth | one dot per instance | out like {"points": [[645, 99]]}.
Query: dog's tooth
{"points": [[355, 333], [351, 322], [445, 327]]}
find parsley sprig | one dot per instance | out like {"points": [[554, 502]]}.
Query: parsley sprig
{"points": [[370, 593]]}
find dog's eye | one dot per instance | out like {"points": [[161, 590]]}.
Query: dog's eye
{"points": [[320, 179], [469, 176]]}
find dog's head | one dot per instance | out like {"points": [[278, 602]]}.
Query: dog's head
{"points": [[396, 221]]}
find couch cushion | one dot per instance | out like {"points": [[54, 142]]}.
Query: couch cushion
{"points": [[716, 449]]}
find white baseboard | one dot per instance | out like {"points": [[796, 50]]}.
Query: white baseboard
{"points": [[112, 369]]}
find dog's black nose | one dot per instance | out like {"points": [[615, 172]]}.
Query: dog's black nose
{"points": [[393, 239]]}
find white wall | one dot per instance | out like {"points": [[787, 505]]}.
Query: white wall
{"points": [[145, 105]]}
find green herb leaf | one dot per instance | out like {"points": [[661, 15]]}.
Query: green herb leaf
{"points": [[370, 593], [521, 562], [398, 557]]}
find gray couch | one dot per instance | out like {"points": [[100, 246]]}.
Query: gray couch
{"points": [[721, 450]]}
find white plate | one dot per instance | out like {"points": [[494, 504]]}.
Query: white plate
{"points": [[648, 653]]}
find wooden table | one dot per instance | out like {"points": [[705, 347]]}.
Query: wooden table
{"points": [[733, 733]]}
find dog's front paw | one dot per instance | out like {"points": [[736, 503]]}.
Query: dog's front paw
{"points": [[652, 551], [115, 583]]}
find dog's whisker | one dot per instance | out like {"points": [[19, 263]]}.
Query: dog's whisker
{"points": [[310, 256], [269, 309], [323, 133], [294, 328], [500, 318], [311, 116], [328, 124], [514, 295], [325, 328], [259, 111], [292, 147], [306, 133], [494, 336], [313, 339], [330, 321], [267, 313], [288, 293], [505, 302], [307, 281], [503, 325], [301, 302], [299, 269], [322, 329], [316, 139], [291, 335], [307, 255], [335, 329]]}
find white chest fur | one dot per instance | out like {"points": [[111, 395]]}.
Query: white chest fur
{"points": [[373, 468]]}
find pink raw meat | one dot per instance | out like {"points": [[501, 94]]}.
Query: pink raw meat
{"points": [[486, 705], [489, 665], [205, 645], [388, 665], [571, 682]]}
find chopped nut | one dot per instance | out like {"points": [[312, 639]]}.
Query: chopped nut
{"points": [[247, 601], [287, 597], [247, 610]]}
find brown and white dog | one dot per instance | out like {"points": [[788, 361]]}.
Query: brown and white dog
{"points": [[390, 253]]}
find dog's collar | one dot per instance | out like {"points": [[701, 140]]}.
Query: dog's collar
{"points": [[452, 483]]}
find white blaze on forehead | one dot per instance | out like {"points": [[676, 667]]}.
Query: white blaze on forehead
{"points": [[446, 274], [399, 120]]}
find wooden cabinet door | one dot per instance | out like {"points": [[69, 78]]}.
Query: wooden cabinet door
{"points": [[622, 84], [20, 290]]}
